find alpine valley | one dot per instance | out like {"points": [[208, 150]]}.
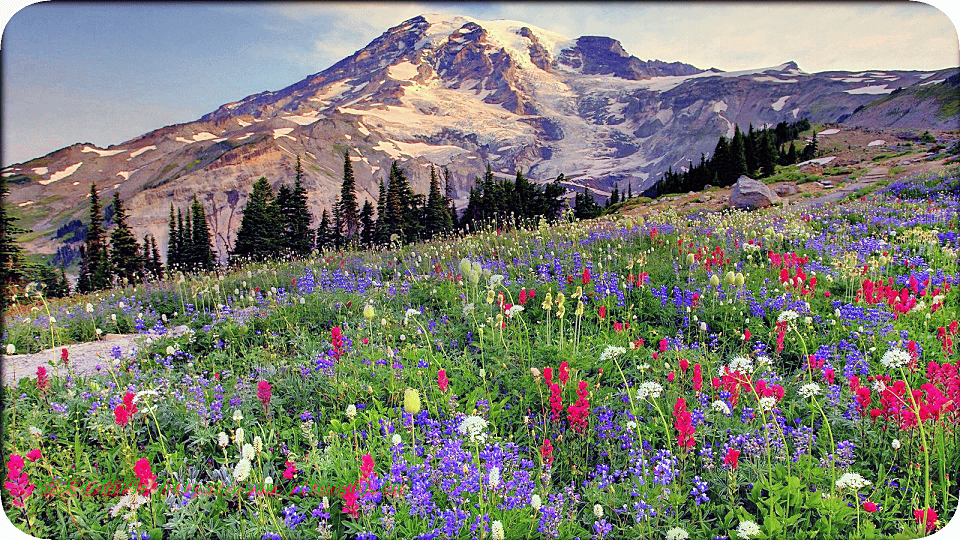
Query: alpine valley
{"points": [[458, 93]]}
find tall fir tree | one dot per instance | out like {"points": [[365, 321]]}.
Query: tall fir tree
{"points": [[95, 267], [349, 212], [203, 256], [380, 235], [436, 219], [125, 255], [173, 246], [11, 254], [323, 232], [367, 224], [767, 154], [257, 237], [738, 159], [449, 194], [298, 222]]}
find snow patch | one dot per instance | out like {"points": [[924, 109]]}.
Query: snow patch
{"points": [[60, 175], [245, 135], [362, 128], [795, 112], [819, 161], [829, 131], [39, 170], [25, 203], [242, 123], [404, 71], [436, 154], [181, 139], [115, 186], [719, 106], [76, 183], [102, 153], [928, 75], [204, 136], [878, 142], [303, 120], [849, 79], [139, 151], [124, 174], [878, 89], [935, 81], [778, 104], [283, 132], [347, 136]]}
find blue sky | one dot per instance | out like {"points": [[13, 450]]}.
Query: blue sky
{"points": [[104, 73]]}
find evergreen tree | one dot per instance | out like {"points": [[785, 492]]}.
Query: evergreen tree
{"points": [[124, 249], [349, 218], [323, 232], [767, 154], [380, 235], [181, 242], [367, 224], [96, 262], [298, 222], [203, 258], [173, 246], [751, 151], [257, 237], [615, 196], [402, 212], [157, 266], [738, 159], [792, 154], [448, 192], [436, 219], [630, 187], [11, 254]]}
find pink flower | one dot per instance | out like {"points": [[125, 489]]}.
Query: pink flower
{"points": [[870, 506], [143, 471], [732, 457], [546, 452], [65, 356], [264, 392], [586, 277], [42, 380], [34, 454], [602, 312], [442, 381], [120, 416], [564, 372], [931, 518], [290, 471], [366, 466]]}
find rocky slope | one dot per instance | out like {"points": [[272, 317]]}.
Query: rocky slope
{"points": [[455, 92]]}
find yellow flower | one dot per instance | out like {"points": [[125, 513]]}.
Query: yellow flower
{"points": [[561, 299], [490, 296], [579, 311], [561, 311], [411, 401], [368, 312]]}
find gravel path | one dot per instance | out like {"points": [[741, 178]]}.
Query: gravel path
{"points": [[84, 357], [843, 191]]}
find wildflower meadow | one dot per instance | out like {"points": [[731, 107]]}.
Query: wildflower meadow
{"points": [[784, 373]]}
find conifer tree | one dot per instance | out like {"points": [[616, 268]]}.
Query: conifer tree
{"points": [[173, 244], [367, 224], [767, 154], [257, 237], [349, 217], [751, 151], [11, 254], [323, 232], [298, 222], [449, 194], [181, 242], [738, 159], [791, 154], [96, 261], [204, 259], [436, 218], [379, 235], [124, 249]]}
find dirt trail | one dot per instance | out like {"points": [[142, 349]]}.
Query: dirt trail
{"points": [[84, 357], [844, 190]]}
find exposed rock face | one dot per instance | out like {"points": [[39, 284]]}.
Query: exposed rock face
{"points": [[452, 91], [750, 193], [784, 190]]}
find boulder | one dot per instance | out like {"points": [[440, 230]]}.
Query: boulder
{"points": [[784, 190], [811, 168], [750, 193]]}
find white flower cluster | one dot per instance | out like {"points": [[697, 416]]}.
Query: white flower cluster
{"points": [[788, 316], [741, 364], [536, 502], [748, 529], [514, 309], [895, 358], [611, 352], [767, 403], [496, 530], [809, 390], [649, 390], [853, 481], [494, 477], [247, 452], [721, 407], [242, 471], [473, 427], [677, 533]]}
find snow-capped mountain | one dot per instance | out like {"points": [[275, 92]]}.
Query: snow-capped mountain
{"points": [[455, 92]]}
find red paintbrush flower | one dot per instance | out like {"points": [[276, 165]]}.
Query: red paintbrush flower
{"points": [[442, 381], [43, 382], [732, 458], [264, 392]]}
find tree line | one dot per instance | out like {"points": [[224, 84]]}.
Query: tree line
{"points": [[755, 154], [278, 226]]}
